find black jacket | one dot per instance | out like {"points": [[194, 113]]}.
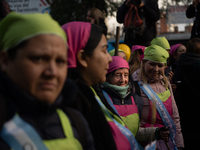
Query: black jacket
{"points": [[117, 100], [89, 107], [190, 13], [42, 117], [188, 72], [150, 14]]}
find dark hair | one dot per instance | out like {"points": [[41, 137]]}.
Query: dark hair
{"points": [[12, 52], [193, 46], [4, 9], [94, 39]]}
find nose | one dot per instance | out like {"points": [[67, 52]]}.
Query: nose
{"points": [[155, 68], [50, 70], [109, 58]]}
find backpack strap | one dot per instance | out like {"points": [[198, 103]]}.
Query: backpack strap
{"points": [[79, 124], [139, 103]]}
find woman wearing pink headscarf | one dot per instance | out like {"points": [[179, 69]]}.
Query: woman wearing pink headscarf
{"points": [[127, 104], [136, 57], [88, 62]]}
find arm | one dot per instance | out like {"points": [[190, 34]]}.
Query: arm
{"points": [[121, 13], [175, 116], [190, 12], [151, 10]]}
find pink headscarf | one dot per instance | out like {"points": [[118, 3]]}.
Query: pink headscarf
{"points": [[118, 62], [137, 47], [174, 48], [78, 34]]}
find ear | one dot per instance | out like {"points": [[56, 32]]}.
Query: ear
{"points": [[4, 61], [81, 58]]}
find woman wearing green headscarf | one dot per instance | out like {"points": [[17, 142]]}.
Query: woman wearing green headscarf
{"points": [[160, 123], [33, 72]]}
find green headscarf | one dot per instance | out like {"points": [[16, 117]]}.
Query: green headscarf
{"points": [[16, 28], [112, 52], [162, 42], [156, 53]]}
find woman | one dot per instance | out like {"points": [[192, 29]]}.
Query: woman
{"points": [[88, 62], [155, 88], [136, 57], [126, 103], [121, 53], [33, 73], [126, 50], [95, 16], [175, 52]]}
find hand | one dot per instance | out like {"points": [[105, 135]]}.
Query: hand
{"points": [[164, 133], [141, 5], [170, 74], [195, 2]]}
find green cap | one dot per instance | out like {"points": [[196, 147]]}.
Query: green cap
{"points": [[162, 42], [112, 52], [16, 28], [156, 53]]}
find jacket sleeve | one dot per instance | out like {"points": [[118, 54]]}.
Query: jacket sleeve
{"points": [[121, 13], [152, 11], [190, 12], [175, 116]]}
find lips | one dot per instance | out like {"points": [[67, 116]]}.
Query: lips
{"points": [[47, 86]]}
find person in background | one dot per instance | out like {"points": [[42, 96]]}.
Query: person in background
{"points": [[127, 104], [187, 75], [4, 9], [137, 56], [88, 62], [95, 16], [121, 53], [33, 72], [193, 11], [163, 42], [156, 90], [126, 50], [139, 19]]}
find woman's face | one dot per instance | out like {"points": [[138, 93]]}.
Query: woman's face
{"points": [[153, 70], [97, 64], [120, 77], [90, 18], [181, 49], [40, 68], [121, 54]]}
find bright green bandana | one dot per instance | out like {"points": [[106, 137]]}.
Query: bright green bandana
{"points": [[122, 91], [162, 42], [16, 28], [112, 52], [156, 53]]}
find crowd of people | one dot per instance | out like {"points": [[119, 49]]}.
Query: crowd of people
{"points": [[60, 88]]}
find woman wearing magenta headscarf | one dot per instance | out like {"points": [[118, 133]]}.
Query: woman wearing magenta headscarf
{"points": [[127, 104], [136, 57], [155, 89], [33, 72], [88, 62]]}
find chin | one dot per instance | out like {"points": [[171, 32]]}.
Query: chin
{"points": [[47, 98]]}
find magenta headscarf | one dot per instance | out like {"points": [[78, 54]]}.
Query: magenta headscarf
{"points": [[137, 47], [174, 48], [78, 34], [118, 62]]}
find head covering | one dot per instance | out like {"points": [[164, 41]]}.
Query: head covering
{"points": [[118, 62], [126, 50], [174, 48], [137, 47], [156, 53], [112, 52], [78, 34], [162, 42], [16, 28]]}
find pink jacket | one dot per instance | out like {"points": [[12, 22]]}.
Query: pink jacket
{"points": [[158, 87]]}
